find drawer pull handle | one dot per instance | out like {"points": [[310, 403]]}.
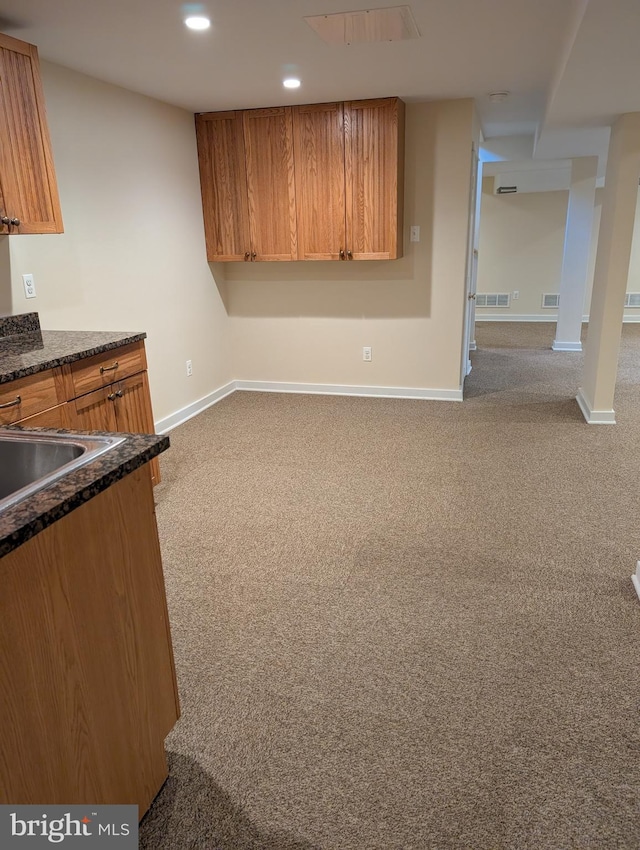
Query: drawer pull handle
{"points": [[112, 368], [17, 400]]}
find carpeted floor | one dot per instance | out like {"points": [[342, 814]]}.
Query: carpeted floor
{"points": [[407, 625]]}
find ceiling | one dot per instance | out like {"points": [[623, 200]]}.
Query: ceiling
{"points": [[568, 64]]}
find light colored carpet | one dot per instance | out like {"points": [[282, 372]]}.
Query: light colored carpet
{"points": [[407, 625]]}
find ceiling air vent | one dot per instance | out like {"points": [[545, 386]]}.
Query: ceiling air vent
{"points": [[493, 299], [550, 299], [395, 23], [632, 299]]}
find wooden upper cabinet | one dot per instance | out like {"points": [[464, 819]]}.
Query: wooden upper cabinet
{"points": [[374, 178], [349, 179], [224, 185], [317, 182], [268, 141], [247, 182], [29, 192], [319, 155]]}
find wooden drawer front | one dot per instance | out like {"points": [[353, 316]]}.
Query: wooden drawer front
{"points": [[103, 369], [54, 417], [35, 393]]}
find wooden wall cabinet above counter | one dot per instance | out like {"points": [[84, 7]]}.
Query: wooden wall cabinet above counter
{"points": [[29, 201], [317, 182]]}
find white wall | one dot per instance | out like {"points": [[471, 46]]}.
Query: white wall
{"points": [[521, 246], [132, 256]]}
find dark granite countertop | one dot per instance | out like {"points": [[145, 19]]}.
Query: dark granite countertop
{"points": [[24, 353], [30, 516]]}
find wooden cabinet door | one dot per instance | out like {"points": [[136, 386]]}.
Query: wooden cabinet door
{"points": [[96, 411], [223, 183], [268, 140], [318, 132], [29, 189], [133, 411], [374, 153]]}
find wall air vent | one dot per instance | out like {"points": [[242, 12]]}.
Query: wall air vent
{"points": [[506, 190], [632, 299], [395, 23], [493, 299], [550, 300]]}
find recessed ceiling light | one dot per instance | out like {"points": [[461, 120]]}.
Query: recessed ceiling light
{"points": [[197, 22], [291, 83]]}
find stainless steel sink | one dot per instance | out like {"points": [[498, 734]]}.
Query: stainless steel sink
{"points": [[30, 461]]}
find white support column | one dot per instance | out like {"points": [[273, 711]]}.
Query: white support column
{"points": [[575, 260], [595, 396]]}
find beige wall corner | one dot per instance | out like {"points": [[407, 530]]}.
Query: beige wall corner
{"points": [[132, 256], [308, 322]]}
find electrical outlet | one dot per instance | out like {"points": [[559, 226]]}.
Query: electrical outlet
{"points": [[366, 352], [516, 294], [29, 286], [189, 369], [415, 233]]}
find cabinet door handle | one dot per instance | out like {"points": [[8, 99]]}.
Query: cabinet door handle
{"points": [[5, 220], [350, 255], [111, 396], [119, 393], [111, 368], [247, 256], [341, 254], [17, 400], [15, 222], [253, 255]]}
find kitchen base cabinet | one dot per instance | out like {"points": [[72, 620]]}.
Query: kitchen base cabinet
{"points": [[88, 681], [106, 392], [121, 406]]}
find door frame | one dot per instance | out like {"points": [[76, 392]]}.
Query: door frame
{"points": [[475, 196]]}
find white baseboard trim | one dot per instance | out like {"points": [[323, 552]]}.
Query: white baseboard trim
{"points": [[566, 346], [636, 579], [165, 425], [539, 317], [348, 390], [517, 317], [595, 417]]}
